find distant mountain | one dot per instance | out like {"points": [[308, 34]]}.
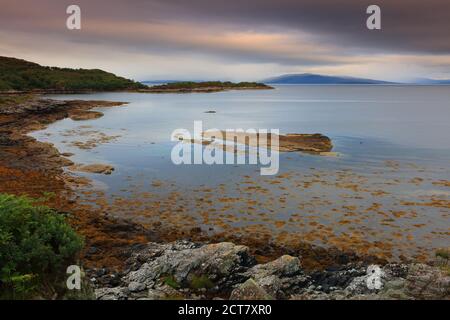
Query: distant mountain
{"points": [[430, 81], [21, 75], [308, 78]]}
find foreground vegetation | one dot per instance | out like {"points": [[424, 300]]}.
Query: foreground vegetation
{"points": [[21, 75], [36, 246]]}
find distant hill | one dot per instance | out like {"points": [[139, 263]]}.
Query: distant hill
{"points": [[308, 78], [21, 75]]}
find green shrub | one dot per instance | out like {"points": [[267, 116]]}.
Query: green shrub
{"points": [[36, 244]]}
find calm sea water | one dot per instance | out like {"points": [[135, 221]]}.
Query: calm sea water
{"points": [[386, 184]]}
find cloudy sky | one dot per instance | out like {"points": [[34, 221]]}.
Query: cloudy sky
{"points": [[233, 39]]}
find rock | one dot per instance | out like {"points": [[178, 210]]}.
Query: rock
{"points": [[426, 282], [358, 286], [82, 115], [118, 293], [184, 260], [34, 105], [415, 281], [393, 271], [397, 284], [305, 142], [283, 266], [67, 154], [394, 290], [136, 287], [293, 142], [7, 141], [94, 168], [335, 280], [164, 292], [249, 290], [279, 276]]}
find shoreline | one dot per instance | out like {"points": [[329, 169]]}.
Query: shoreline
{"points": [[34, 168], [201, 90], [148, 90]]}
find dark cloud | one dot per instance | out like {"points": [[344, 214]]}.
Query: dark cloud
{"points": [[290, 33], [407, 25], [413, 25]]}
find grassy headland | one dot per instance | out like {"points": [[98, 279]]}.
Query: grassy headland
{"points": [[207, 86], [23, 76], [20, 76]]}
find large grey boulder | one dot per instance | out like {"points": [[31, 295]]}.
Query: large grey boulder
{"points": [[279, 276], [426, 282], [184, 261], [136, 286]]}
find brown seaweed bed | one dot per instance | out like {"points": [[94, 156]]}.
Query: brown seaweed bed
{"points": [[365, 217]]}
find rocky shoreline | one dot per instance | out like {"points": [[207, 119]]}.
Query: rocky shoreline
{"points": [[186, 270], [18, 150], [36, 169]]}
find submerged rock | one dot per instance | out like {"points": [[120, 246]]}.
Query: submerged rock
{"points": [[94, 168], [83, 115], [292, 142]]}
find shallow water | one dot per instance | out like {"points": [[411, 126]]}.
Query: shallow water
{"points": [[385, 193]]}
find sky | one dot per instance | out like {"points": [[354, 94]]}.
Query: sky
{"points": [[238, 40]]}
